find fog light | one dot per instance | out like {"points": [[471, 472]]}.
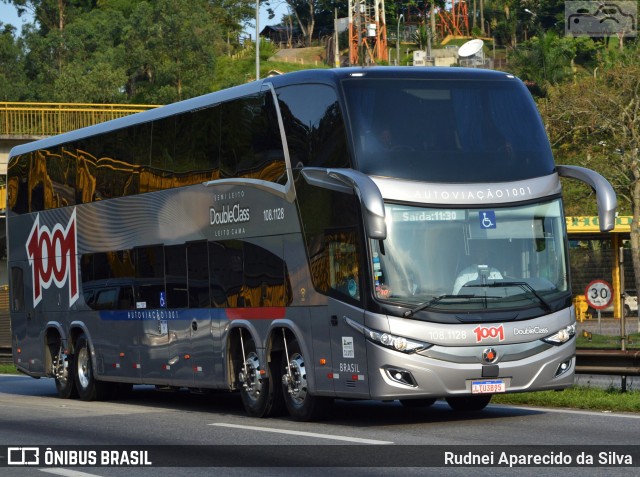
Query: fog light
{"points": [[401, 376], [563, 368]]}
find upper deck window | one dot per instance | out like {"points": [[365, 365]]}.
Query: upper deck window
{"points": [[447, 130], [314, 126]]}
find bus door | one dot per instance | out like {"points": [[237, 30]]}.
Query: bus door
{"points": [[348, 347], [348, 350]]}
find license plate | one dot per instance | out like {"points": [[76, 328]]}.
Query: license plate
{"points": [[488, 386]]}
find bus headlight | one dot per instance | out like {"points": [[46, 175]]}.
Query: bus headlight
{"points": [[398, 343], [561, 336]]}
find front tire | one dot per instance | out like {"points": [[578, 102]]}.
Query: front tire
{"points": [[469, 403], [301, 405], [88, 387]]}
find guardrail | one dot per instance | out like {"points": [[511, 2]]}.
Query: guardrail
{"points": [[608, 362], [49, 119]]}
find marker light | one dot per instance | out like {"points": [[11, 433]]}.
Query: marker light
{"points": [[561, 336]]}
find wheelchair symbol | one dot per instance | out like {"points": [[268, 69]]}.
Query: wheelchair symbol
{"points": [[487, 219], [163, 300]]}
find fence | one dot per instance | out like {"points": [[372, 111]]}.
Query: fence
{"points": [[48, 119]]}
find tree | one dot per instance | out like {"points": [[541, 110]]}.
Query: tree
{"points": [[597, 121], [170, 50], [53, 14], [12, 76], [544, 60]]}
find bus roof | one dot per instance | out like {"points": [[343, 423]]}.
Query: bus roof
{"points": [[329, 76]]}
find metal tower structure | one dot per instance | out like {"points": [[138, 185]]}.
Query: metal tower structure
{"points": [[367, 32], [455, 21]]}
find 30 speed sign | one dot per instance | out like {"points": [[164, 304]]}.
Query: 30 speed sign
{"points": [[598, 294]]}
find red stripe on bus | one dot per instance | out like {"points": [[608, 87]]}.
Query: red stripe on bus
{"points": [[270, 313]]}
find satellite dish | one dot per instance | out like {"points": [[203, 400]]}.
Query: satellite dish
{"points": [[470, 48]]}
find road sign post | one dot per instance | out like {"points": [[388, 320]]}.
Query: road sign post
{"points": [[599, 295]]}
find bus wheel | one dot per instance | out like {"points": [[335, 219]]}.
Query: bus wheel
{"points": [[88, 387], [425, 402], [256, 388], [469, 403], [62, 366], [301, 405]]}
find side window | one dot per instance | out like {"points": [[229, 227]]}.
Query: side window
{"points": [[344, 276], [226, 272], [198, 273], [17, 183], [106, 299], [334, 241], [265, 276], [314, 126], [176, 276], [149, 275], [251, 141]]}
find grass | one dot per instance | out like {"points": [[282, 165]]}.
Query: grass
{"points": [[596, 341], [577, 397], [8, 369]]}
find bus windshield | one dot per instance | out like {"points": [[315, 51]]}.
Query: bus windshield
{"points": [[447, 130], [471, 259]]}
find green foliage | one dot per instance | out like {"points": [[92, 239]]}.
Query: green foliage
{"points": [[544, 60], [12, 76], [8, 369], [597, 341], [577, 397], [170, 50]]}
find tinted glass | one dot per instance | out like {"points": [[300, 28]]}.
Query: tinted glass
{"points": [[447, 131], [250, 141], [332, 228], [149, 275], [226, 264], [264, 276], [198, 272], [176, 276], [314, 126]]}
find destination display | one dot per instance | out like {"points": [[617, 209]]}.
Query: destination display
{"points": [[412, 214]]}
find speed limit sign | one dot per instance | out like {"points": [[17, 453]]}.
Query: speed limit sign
{"points": [[598, 294]]}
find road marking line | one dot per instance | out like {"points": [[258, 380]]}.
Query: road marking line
{"points": [[304, 434], [68, 472], [585, 412]]}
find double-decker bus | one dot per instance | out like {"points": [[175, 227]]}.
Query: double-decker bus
{"points": [[379, 233]]}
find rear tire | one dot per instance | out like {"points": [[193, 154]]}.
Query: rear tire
{"points": [[89, 388], [63, 372], [301, 405], [469, 403], [261, 395]]}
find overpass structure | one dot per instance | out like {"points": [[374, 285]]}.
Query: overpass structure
{"points": [[25, 122]]}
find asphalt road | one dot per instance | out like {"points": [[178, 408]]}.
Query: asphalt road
{"points": [[213, 433]]}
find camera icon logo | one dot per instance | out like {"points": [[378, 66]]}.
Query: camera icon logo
{"points": [[597, 19]]}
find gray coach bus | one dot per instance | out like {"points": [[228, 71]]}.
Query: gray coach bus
{"points": [[382, 233]]}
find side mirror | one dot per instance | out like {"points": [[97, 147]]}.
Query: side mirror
{"points": [[605, 195], [354, 182]]}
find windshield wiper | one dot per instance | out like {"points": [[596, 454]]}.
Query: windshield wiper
{"points": [[433, 301], [524, 285]]}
